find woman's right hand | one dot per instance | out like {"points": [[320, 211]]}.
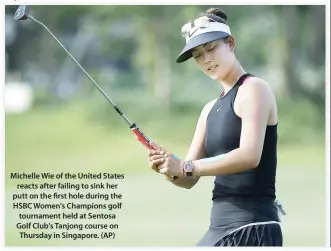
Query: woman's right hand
{"points": [[155, 159], [157, 156]]}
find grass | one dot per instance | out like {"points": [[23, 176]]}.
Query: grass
{"points": [[66, 140]]}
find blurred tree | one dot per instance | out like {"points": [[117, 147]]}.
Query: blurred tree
{"points": [[138, 45], [304, 29], [155, 34]]}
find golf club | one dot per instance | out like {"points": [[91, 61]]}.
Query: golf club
{"points": [[23, 13]]}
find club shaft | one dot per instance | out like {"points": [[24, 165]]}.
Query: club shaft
{"points": [[92, 80]]}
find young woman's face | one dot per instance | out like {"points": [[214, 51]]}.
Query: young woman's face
{"points": [[215, 59]]}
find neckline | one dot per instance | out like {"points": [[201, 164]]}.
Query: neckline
{"points": [[240, 80]]}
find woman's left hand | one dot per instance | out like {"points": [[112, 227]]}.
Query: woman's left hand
{"points": [[172, 166]]}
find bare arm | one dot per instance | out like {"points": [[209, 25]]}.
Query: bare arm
{"points": [[197, 149], [254, 108]]}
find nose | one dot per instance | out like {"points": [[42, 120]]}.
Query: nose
{"points": [[207, 58]]}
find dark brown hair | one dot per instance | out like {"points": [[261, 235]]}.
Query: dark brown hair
{"points": [[215, 14], [218, 15]]}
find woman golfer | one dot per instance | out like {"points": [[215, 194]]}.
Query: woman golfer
{"points": [[235, 141]]}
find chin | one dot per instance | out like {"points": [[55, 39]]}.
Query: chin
{"points": [[216, 77]]}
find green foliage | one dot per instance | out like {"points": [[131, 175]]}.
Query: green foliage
{"points": [[142, 42], [300, 123]]}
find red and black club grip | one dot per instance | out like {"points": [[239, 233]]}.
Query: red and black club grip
{"points": [[141, 136], [143, 139]]}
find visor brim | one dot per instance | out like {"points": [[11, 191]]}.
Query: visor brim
{"points": [[197, 41]]}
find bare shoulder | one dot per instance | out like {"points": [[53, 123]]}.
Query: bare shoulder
{"points": [[255, 87], [210, 104], [206, 109]]}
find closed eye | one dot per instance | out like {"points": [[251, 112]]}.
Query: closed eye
{"points": [[211, 48]]}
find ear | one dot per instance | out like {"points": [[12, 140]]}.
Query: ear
{"points": [[232, 42]]}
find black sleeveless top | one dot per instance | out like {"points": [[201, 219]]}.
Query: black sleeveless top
{"points": [[247, 196]]}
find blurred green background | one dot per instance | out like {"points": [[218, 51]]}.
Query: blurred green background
{"points": [[56, 121]]}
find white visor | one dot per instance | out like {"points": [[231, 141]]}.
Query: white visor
{"points": [[201, 34], [212, 26]]}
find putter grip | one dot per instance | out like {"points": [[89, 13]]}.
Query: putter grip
{"points": [[141, 137], [144, 140]]}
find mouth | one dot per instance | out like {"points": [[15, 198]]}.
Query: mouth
{"points": [[212, 68]]}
